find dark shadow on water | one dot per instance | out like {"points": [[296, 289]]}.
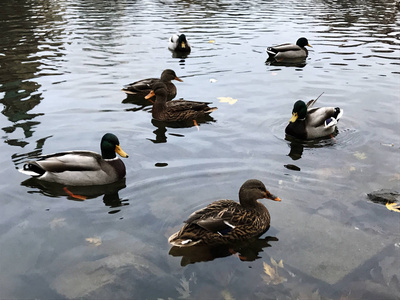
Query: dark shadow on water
{"points": [[180, 54], [161, 126], [50, 189], [138, 100], [297, 146], [299, 63], [246, 251]]}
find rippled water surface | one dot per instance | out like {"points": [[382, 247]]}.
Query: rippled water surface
{"points": [[63, 64]]}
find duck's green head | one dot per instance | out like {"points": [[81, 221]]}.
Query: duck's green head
{"points": [[299, 111], [110, 145], [182, 41], [302, 42]]}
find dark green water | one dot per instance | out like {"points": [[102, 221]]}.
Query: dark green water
{"points": [[63, 64]]}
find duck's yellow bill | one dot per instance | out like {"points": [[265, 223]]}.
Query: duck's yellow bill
{"points": [[309, 45], [149, 95], [121, 152], [294, 117], [183, 45]]}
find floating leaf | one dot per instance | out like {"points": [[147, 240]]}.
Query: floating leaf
{"points": [[280, 264], [360, 155], [94, 240], [184, 290], [211, 41], [393, 206], [396, 177], [213, 80], [226, 295], [272, 273], [57, 222], [229, 100]]}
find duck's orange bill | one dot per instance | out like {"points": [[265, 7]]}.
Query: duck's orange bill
{"points": [[177, 78], [277, 199], [149, 95]]}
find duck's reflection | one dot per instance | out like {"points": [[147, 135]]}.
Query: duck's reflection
{"points": [[246, 251], [161, 126], [79, 193], [139, 101], [297, 146], [295, 62]]}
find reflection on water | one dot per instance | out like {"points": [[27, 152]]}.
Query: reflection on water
{"points": [[62, 67], [109, 192], [246, 251]]}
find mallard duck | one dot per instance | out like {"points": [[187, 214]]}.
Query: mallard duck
{"points": [[289, 51], [226, 221], [310, 123], [179, 43], [177, 110], [81, 168], [144, 86]]}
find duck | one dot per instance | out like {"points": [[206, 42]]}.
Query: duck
{"points": [[144, 86], [81, 167], [289, 51], [310, 123], [176, 110], [179, 43], [227, 221]]}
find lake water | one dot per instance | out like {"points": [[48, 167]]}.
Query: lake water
{"points": [[63, 64]]}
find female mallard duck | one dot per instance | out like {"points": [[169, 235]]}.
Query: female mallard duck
{"points": [[311, 123], [81, 168], [289, 51], [144, 86], [179, 43], [226, 221], [177, 110]]}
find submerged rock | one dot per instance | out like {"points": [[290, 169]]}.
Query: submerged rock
{"points": [[384, 196]]}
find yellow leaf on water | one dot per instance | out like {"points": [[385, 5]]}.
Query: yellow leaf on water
{"points": [[269, 270], [94, 240], [280, 264], [229, 100], [273, 262], [57, 222], [396, 176], [360, 155], [393, 206], [211, 41]]}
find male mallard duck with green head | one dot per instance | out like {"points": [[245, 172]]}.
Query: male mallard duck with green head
{"points": [[81, 168], [144, 86], [310, 123], [176, 110], [289, 51], [179, 43], [226, 221]]}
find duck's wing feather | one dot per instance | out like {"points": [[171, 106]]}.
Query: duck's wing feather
{"points": [[218, 217], [182, 105], [140, 87], [67, 161], [316, 117], [283, 48]]}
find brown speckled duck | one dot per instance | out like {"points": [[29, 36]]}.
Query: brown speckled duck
{"points": [[144, 86], [226, 221], [177, 110]]}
